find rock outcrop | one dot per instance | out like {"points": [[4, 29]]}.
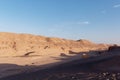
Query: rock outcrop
{"points": [[12, 44]]}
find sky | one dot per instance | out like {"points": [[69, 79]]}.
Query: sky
{"points": [[95, 20]]}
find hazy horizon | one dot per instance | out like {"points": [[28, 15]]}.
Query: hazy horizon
{"points": [[95, 20]]}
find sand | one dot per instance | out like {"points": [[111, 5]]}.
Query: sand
{"points": [[79, 66], [22, 52], [21, 64]]}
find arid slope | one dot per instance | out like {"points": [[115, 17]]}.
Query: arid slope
{"points": [[12, 44]]}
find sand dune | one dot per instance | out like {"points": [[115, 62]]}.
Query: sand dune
{"points": [[35, 50], [12, 44], [24, 49]]}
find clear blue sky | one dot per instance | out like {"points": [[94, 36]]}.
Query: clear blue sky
{"points": [[96, 20]]}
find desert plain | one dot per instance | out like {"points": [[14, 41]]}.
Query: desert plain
{"points": [[35, 57]]}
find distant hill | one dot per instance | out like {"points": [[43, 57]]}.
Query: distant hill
{"points": [[12, 44]]}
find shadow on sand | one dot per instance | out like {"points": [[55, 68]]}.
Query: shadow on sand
{"points": [[87, 65]]}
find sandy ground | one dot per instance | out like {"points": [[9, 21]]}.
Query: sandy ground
{"points": [[81, 66], [27, 64], [19, 64]]}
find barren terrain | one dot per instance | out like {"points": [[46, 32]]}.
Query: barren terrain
{"points": [[33, 52]]}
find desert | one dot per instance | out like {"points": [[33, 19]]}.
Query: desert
{"points": [[27, 54], [59, 40]]}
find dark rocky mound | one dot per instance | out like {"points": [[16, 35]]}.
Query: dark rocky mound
{"points": [[114, 48]]}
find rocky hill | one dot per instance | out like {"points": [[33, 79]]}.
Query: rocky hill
{"points": [[12, 44]]}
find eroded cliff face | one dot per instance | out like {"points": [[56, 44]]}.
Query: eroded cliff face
{"points": [[12, 44]]}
